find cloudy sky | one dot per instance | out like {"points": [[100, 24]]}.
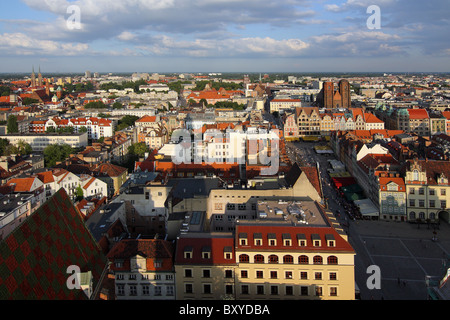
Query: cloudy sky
{"points": [[224, 36]]}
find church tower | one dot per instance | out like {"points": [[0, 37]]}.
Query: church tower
{"points": [[33, 79], [40, 83]]}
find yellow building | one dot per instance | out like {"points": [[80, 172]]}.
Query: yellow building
{"points": [[427, 190], [291, 250]]}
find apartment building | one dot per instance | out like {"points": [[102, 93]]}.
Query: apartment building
{"points": [[143, 269], [427, 190], [39, 142], [392, 198], [288, 250]]}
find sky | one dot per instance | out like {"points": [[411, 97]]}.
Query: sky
{"points": [[224, 36]]}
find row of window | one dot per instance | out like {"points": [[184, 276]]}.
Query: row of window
{"points": [[287, 259], [259, 274], [260, 289], [421, 191], [144, 290], [432, 203], [121, 276]]}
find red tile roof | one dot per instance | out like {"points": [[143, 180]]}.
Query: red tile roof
{"points": [[341, 245], [216, 245], [418, 114]]}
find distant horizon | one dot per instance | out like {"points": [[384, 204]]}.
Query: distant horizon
{"points": [[284, 36]]}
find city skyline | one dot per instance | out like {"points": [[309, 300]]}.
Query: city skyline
{"points": [[224, 36]]}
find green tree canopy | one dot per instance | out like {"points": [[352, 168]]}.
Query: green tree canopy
{"points": [[55, 153], [95, 105], [12, 126]]}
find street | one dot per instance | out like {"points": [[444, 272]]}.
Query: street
{"points": [[405, 254]]}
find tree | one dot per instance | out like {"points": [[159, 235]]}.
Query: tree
{"points": [[95, 105], [23, 148], [138, 149], [54, 153], [79, 194], [117, 105], [82, 129], [12, 126], [27, 101], [3, 144]]}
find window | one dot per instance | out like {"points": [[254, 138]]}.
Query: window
{"points": [[288, 274], [288, 259], [120, 290], [289, 290], [421, 191], [304, 291], [206, 273], [411, 191], [317, 260], [421, 203], [242, 206], [132, 277], [273, 258], [333, 291], [133, 290], [318, 291], [333, 276], [273, 275], [231, 206], [259, 258], [274, 290], [443, 204], [412, 202], [243, 258], [158, 291], [169, 291], [206, 288], [119, 277], [188, 273], [228, 289], [157, 277], [431, 191], [259, 274], [432, 203], [259, 289], [318, 275], [442, 192], [304, 275], [188, 288], [303, 260], [332, 260], [244, 289]]}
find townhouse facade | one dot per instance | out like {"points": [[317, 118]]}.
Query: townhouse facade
{"points": [[427, 190], [143, 269]]}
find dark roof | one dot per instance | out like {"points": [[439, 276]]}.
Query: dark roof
{"points": [[34, 258]]}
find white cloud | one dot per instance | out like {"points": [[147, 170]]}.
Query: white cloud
{"points": [[21, 44]]}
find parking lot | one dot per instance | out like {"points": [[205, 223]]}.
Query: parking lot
{"points": [[405, 253]]}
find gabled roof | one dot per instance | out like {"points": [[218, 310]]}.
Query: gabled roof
{"points": [[418, 114]]}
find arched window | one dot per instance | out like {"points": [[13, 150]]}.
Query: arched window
{"points": [[432, 215], [244, 258], [288, 259], [303, 260], [259, 258], [412, 215], [273, 258], [332, 260], [317, 260]]}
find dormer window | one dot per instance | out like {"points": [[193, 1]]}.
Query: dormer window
{"points": [[315, 238], [188, 252], [206, 252], [416, 175], [243, 239], [301, 238], [228, 253], [257, 239], [287, 241], [272, 239], [331, 242]]}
